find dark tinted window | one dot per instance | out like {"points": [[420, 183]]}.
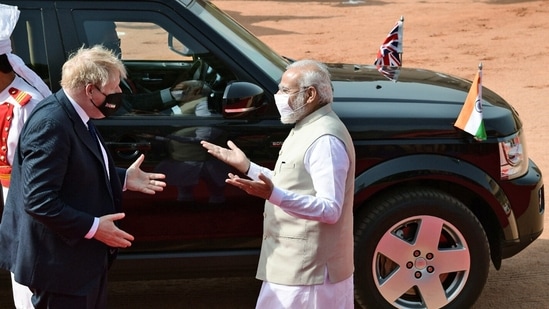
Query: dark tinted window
{"points": [[156, 59], [28, 43]]}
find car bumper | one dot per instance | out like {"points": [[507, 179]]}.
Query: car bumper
{"points": [[530, 220]]}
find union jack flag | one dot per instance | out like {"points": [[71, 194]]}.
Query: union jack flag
{"points": [[391, 73], [390, 52]]}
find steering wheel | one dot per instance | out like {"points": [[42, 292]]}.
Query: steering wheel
{"points": [[198, 70]]}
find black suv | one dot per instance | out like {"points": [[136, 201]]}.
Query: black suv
{"points": [[432, 204]]}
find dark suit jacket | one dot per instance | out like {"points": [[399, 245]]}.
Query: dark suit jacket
{"points": [[141, 100], [58, 186]]}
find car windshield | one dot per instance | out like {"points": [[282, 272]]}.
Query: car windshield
{"points": [[272, 63]]}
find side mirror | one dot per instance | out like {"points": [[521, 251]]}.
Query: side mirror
{"points": [[241, 98], [177, 47]]}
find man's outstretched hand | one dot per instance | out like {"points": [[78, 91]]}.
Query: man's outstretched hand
{"points": [[138, 180], [109, 234], [232, 155]]}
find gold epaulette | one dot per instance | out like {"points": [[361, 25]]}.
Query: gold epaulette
{"points": [[20, 96]]}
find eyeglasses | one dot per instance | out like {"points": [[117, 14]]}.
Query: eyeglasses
{"points": [[290, 91]]}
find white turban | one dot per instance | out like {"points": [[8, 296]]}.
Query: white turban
{"points": [[8, 19]]}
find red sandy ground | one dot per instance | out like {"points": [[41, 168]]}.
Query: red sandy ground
{"points": [[510, 38]]}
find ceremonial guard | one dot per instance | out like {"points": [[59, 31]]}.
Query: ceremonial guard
{"points": [[20, 90]]}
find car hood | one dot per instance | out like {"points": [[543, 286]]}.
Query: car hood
{"points": [[420, 103]]}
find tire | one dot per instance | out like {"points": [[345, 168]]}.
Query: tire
{"points": [[419, 248]]}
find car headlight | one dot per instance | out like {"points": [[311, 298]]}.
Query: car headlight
{"points": [[512, 157]]}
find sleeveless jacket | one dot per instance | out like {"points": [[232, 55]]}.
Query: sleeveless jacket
{"points": [[297, 251]]}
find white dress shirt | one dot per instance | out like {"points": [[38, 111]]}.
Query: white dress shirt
{"points": [[327, 162]]}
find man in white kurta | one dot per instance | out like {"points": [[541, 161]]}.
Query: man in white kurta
{"points": [[306, 256]]}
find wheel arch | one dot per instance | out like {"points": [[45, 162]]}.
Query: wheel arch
{"points": [[476, 189]]}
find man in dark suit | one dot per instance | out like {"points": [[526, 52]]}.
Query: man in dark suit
{"points": [[58, 233]]}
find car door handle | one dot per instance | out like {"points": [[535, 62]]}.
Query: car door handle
{"points": [[128, 150], [131, 146]]}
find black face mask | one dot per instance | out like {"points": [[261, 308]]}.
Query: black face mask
{"points": [[110, 104]]}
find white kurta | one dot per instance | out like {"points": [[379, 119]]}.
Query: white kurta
{"points": [[327, 162]]}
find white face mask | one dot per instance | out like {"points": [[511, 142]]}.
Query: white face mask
{"points": [[282, 103], [287, 114]]}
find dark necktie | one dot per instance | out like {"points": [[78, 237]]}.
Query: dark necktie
{"points": [[93, 133]]}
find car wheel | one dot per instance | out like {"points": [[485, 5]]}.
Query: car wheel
{"points": [[419, 248]]}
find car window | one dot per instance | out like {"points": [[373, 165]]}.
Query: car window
{"points": [[135, 40], [28, 43], [167, 74]]}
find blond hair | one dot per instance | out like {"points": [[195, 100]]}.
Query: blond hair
{"points": [[96, 65]]}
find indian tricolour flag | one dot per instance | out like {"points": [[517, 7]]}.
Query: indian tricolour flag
{"points": [[470, 117]]}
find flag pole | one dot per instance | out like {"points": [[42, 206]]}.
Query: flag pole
{"points": [[401, 40], [480, 138]]}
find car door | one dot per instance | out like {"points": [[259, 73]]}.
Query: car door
{"points": [[197, 210]]}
